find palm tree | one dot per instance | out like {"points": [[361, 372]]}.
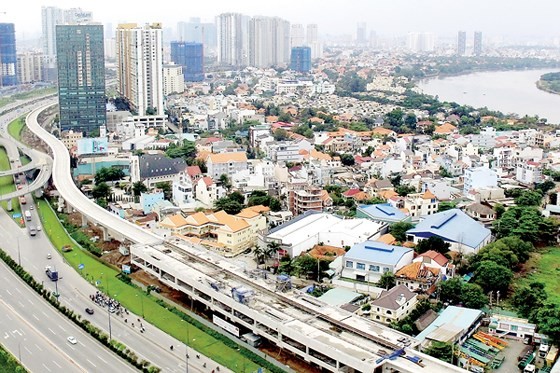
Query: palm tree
{"points": [[271, 250], [260, 255]]}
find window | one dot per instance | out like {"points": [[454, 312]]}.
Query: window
{"points": [[349, 264], [386, 269], [373, 268], [360, 266]]}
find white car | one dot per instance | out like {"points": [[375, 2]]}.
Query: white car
{"points": [[72, 340]]}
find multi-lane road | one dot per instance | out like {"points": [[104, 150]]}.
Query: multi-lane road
{"points": [[40, 333]]}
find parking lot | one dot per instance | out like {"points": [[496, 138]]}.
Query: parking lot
{"points": [[511, 352]]}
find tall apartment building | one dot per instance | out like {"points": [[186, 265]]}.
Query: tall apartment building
{"points": [[297, 35], [269, 39], [81, 77], [30, 67], [461, 43], [139, 53], [8, 56], [421, 42], [196, 31], [301, 59], [233, 39], [190, 56], [306, 199], [50, 17], [312, 41], [173, 80], [361, 33], [477, 46]]}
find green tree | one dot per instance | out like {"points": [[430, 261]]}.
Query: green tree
{"points": [[500, 209], [529, 299], [445, 205], [520, 221], [281, 135], [440, 350], [347, 159], [395, 118], [545, 186], [472, 296], [166, 188], [112, 173], [529, 198], [451, 290], [225, 181], [138, 188], [548, 319], [230, 206], [398, 230], [101, 191], [404, 190], [432, 243], [238, 197], [186, 150], [493, 277], [387, 280], [305, 266]]}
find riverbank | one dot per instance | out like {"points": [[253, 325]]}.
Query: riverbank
{"points": [[550, 83]]}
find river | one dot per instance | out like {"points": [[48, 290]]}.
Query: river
{"points": [[505, 91]]}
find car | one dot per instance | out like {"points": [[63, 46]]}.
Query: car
{"points": [[31, 207], [89, 311], [72, 340], [49, 256], [247, 251], [39, 228]]}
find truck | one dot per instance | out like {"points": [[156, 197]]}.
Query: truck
{"points": [[27, 214], [51, 273]]}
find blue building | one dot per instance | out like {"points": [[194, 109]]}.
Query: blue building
{"points": [[463, 233], [8, 56], [191, 56], [81, 77], [301, 59]]}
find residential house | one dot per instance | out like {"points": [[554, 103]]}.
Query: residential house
{"points": [[418, 277], [148, 199], [207, 192], [529, 173], [368, 260], [483, 213], [393, 305], [226, 164], [183, 190], [421, 204], [463, 233], [479, 177]]}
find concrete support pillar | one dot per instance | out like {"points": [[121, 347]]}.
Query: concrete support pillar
{"points": [[68, 208], [84, 221], [105, 234]]}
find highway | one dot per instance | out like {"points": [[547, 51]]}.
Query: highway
{"points": [[62, 178], [152, 345], [39, 333]]}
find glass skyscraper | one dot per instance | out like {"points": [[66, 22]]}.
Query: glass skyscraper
{"points": [[301, 59], [8, 55], [191, 57], [81, 77]]}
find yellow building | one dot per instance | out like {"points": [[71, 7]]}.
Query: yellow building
{"points": [[229, 234]]}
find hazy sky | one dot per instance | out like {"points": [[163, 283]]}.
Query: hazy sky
{"points": [[444, 17]]}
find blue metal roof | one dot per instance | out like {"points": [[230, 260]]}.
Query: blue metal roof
{"points": [[376, 252], [455, 316], [454, 226], [383, 211]]}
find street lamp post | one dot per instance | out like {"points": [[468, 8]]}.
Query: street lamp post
{"points": [[141, 303], [109, 313], [18, 253]]}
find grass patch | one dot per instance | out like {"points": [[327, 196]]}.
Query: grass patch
{"points": [[27, 95], [24, 160], [8, 363], [7, 185], [137, 300], [15, 127], [545, 267]]}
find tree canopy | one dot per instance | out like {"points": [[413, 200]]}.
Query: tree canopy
{"points": [[432, 243], [398, 230], [112, 173], [526, 223], [455, 291], [492, 276]]}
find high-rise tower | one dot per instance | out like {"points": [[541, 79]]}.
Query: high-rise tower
{"points": [[461, 43], [81, 77], [8, 56]]}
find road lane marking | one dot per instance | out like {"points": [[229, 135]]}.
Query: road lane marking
{"points": [[7, 291], [95, 366], [19, 291], [52, 331], [29, 300], [21, 304], [47, 368], [55, 363], [38, 348], [28, 350], [60, 326], [6, 336], [100, 358], [36, 318], [47, 316]]}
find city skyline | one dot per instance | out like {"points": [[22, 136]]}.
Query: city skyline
{"points": [[385, 17]]}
